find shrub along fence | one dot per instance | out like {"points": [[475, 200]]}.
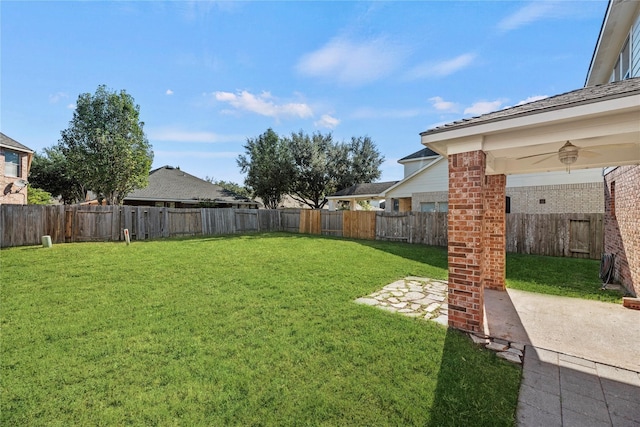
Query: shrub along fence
{"points": [[574, 235]]}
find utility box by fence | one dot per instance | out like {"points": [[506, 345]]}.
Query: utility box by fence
{"points": [[568, 235]]}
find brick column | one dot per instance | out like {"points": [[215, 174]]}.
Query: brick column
{"points": [[466, 240], [494, 231]]}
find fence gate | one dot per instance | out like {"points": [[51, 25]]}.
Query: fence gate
{"points": [[391, 226], [95, 224]]}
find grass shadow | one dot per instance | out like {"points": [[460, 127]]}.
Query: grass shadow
{"points": [[435, 256], [570, 277], [476, 386]]}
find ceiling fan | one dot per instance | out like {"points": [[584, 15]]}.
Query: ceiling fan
{"points": [[568, 154]]}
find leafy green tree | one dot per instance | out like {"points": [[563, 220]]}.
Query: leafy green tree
{"points": [[313, 158], [105, 145], [323, 167], [363, 162], [267, 163], [307, 167], [37, 196], [51, 172]]}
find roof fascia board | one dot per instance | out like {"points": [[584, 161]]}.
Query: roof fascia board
{"points": [[470, 138], [597, 49], [616, 25], [12, 148], [418, 159]]}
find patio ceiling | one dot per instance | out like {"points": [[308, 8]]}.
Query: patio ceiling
{"points": [[602, 121]]}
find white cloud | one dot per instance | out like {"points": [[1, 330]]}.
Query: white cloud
{"points": [[327, 121], [484, 107], [532, 12], [56, 97], [169, 92], [532, 99], [264, 104], [352, 63], [71, 106], [443, 68], [442, 105], [179, 135]]}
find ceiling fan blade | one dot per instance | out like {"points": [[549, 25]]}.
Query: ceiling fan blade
{"points": [[550, 155], [622, 145], [589, 154], [536, 155]]}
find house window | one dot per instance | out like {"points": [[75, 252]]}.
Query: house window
{"points": [[11, 163], [434, 207], [507, 205], [396, 205], [428, 207], [625, 60], [622, 69]]}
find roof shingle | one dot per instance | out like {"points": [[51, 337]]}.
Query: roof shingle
{"points": [[171, 184], [12, 143], [425, 152], [577, 97], [370, 188]]}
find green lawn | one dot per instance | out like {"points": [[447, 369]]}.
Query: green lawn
{"points": [[243, 330], [570, 277]]}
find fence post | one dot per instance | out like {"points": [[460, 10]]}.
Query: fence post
{"points": [[68, 224]]}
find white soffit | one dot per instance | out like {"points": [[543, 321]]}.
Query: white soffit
{"points": [[613, 122]]}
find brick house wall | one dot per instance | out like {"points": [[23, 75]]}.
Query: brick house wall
{"points": [[563, 198], [11, 197], [622, 224], [541, 199]]}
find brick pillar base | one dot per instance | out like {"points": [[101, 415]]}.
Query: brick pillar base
{"points": [[466, 240], [494, 231]]}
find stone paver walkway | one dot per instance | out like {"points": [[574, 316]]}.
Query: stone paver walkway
{"points": [[561, 390], [556, 389], [414, 297], [427, 298]]}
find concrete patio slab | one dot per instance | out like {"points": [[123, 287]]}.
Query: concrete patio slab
{"points": [[590, 330]]}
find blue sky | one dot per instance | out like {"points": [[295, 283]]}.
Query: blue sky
{"points": [[210, 74]]}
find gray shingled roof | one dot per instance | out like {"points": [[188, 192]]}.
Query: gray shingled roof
{"points": [[425, 152], [5, 141], [170, 184], [365, 189], [587, 95]]}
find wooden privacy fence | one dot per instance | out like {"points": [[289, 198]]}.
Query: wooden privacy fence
{"points": [[570, 235]]}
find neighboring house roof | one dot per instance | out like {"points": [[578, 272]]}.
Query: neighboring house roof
{"points": [[425, 152], [365, 189], [170, 184], [11, 143], [587, 95]]}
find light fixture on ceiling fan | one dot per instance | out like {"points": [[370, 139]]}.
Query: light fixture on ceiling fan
{"points": [[568, 154]]}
